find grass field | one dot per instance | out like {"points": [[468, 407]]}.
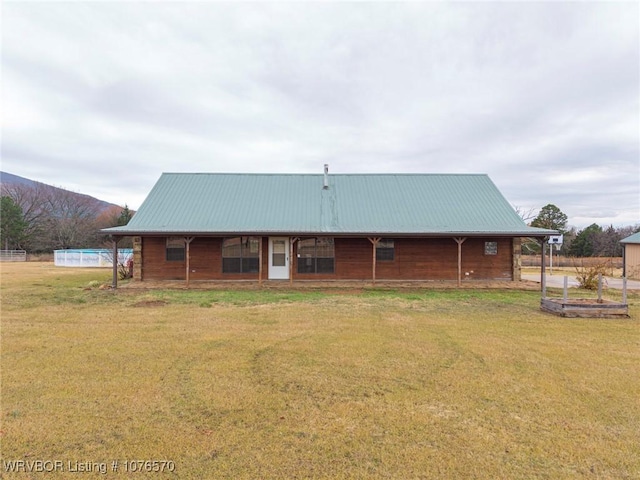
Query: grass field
{"points": [[311, 384]]}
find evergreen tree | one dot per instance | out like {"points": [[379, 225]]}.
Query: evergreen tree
{"points": [[125, 216], [551, 217], [13, 225], [584, 245]]}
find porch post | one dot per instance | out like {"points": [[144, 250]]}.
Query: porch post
{"points": [[260, 262], [543, 267], [459, 241], [114, 280], [187, 252], [290, 261], [374, 241], [292, 240]]}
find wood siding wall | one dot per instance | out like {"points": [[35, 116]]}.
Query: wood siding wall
{"points": [[632, 261], [415, 259]]}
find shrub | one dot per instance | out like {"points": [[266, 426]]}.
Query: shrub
{"points": [[125, 270], [588, 275]]}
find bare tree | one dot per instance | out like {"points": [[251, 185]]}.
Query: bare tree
{"points": [[72, 220], [33, 201], [607, 242], [55, 218], [527, 215], [529, 245]]}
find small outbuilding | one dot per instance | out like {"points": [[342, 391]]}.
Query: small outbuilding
{"points": [[631, 256], [295, 227]]}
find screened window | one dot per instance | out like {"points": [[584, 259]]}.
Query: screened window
{"points": [[174, 251], [240, 255], [385, 250], [490, 248], [316, 255]]}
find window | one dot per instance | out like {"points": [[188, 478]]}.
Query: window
{"points": [[490, 248], [385, 250], [316, 255], [175, 249], [279, 253], [240, 255]]}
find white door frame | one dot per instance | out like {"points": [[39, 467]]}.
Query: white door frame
{"points": [[279, 271]]}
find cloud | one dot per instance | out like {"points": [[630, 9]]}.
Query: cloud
{"points": [[103, 97]]}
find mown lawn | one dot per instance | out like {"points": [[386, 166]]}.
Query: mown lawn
{"points": [[313, 384]]}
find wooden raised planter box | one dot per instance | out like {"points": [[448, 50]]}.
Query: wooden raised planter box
{"points": [[585, 308]]}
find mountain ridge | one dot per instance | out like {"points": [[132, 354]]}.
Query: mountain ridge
{"points": [[12, 179]]}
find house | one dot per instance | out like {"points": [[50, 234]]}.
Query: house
{"points": [[631, 256], [296, 227]]}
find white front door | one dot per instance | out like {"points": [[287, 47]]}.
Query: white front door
{"points": [[278, 258]]}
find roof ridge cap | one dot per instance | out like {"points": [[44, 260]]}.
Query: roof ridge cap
{"points": [[407, 174]]}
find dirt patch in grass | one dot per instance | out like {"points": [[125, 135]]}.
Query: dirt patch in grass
{"points": [[150, 303]]}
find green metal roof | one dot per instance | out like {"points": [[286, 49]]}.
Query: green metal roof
{"points": [[376, 204], [635, 238]]}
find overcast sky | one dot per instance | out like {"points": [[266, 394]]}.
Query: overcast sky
{"points": [[101, 98]]}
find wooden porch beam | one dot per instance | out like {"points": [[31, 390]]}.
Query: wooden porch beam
{"points": [[114, 279], [374, 241], [543, 267], [292, 240], [260, 262], [459, 241], [187, 241]]}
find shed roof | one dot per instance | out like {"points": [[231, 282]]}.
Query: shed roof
{"points": [[635, 238], [353, 204]]}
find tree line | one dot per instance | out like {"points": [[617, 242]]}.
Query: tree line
{"points": [[41, 218], [592, 241]]}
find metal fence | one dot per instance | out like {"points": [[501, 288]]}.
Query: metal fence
{"points": [[13, 256], [90, 258]]}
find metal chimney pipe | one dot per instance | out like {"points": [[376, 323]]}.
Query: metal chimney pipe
{"points": [[325, 185]]}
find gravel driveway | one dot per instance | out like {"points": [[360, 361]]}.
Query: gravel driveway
{"points": [[558, 281]]}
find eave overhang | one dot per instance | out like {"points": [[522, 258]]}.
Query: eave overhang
{"points": [[533, 233]]}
